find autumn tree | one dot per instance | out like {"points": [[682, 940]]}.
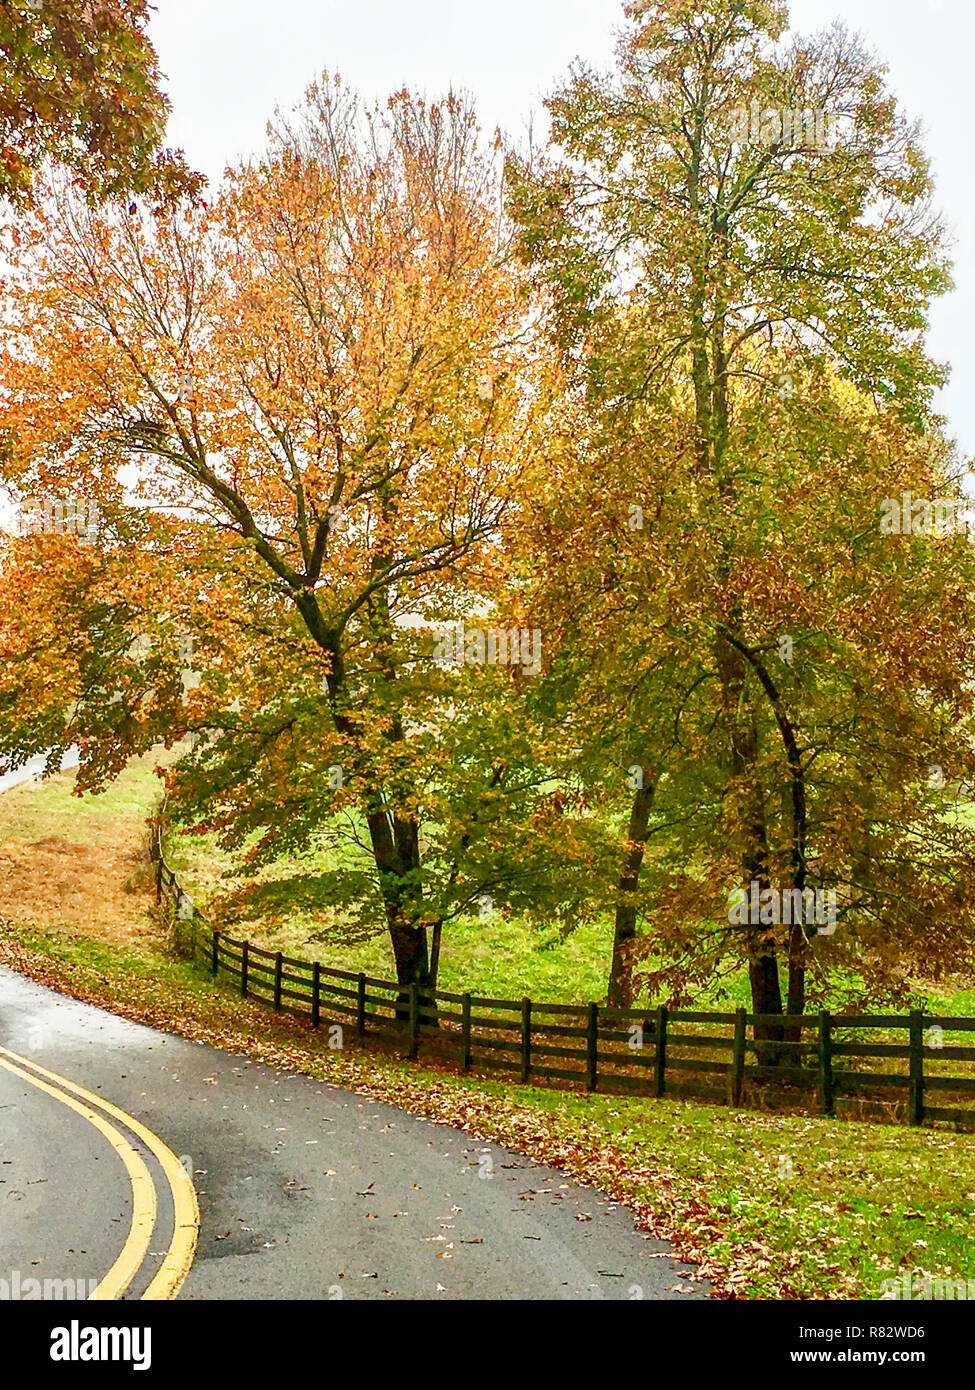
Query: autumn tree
{"points": [[302, 412], [79, 86], [711, 265]]}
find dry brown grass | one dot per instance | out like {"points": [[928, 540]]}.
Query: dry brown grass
{"points": [[77, 866]]}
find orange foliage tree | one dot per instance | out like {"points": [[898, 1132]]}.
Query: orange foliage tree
{"points": [[301, 413]]}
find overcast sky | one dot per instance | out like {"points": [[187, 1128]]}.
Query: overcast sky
{"points": [[230, 62]]}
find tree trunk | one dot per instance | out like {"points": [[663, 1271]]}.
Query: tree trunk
{"points": [[435, 951], [796, 1001], [394, 834], [710, 379], [410, 951], [396, 853], [763, 970], [763, 973], [620, 994]]}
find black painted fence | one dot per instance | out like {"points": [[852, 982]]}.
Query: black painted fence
{"points": [[624, 1051]]}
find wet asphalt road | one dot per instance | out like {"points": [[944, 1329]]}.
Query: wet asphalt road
{"points": [[306, 1191]]}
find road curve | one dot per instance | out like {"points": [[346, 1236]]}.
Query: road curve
{"points": [[306, 1191], [33, 768]]}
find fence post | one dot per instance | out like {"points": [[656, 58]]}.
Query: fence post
{"points": [[660, 1070], [592, 1040], [214, 958], [277, 981], [827, 1092], [465, 1033], [316, 994], [526, 1039], [159, 880], [414, 1019], [738, 1056], [243, 969], [917, 1067], [360, 1005]]}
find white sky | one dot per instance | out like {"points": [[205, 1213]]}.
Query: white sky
{"points": [[230, 62]]}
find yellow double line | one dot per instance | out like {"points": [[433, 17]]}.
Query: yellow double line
{"points": [[169, 1277]]}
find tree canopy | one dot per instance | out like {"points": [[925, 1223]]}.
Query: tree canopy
{"points": [[79, 86]]}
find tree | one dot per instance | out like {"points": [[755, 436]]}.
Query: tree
{"points": [[326, 382], [80, 85], [712, 272]]}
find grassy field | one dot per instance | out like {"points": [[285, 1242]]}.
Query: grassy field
{"points": [[290, 907], [79, 865]]}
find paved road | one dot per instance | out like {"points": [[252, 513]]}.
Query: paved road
{"points": [[34, 767], [305, 1190]]}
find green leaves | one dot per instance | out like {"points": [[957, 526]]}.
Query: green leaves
{"points": [[79, 85]]}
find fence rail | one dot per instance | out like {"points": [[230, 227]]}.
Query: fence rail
{"points": [[629, 1051]]}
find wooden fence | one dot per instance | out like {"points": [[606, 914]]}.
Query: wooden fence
{"points": [[623, 1051]]}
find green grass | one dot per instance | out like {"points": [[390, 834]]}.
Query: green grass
{"points": [[142, 963], [297, 907], [837, 1204], [294, 907], [48, 808]]}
